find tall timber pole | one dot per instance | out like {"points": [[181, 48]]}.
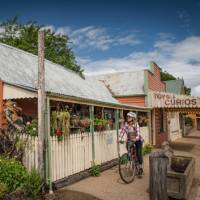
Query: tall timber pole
{"points": [[41, 103]]}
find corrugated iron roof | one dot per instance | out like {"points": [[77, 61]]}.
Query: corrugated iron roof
{"points": [[18, 67], [124, 83]]}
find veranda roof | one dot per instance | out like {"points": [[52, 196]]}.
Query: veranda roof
{"points": [[19, 70]]}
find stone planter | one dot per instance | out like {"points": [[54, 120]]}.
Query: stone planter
{"points": [[179, 183]]}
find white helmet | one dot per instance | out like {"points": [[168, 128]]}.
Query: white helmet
{"points": [[132, 114]]}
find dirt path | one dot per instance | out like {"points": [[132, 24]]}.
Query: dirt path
{"points": [[110, 187]]}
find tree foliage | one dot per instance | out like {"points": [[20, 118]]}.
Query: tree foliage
{"points": [[187, 90], [25, 37], [165, 76]]}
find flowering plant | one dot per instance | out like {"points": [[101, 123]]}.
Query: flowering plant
{"points": [[32, 128]]}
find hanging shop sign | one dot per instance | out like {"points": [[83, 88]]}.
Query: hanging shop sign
{"points": [[169, 100]]}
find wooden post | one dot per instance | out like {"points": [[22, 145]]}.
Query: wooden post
{"points": [[41, 103], [158, 175], [48, 147], [117, 129], [91, 108], [149, 128]]}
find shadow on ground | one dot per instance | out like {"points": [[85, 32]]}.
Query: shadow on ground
{"points": [[74, 195]]}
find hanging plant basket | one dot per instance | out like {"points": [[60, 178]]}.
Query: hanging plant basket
{"points": [[85, 123], [52, 133], [58, 133], [75, 120]]}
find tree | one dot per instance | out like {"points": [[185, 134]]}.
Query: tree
{"points": [[187, 90], [25, 37], [165, 76]]}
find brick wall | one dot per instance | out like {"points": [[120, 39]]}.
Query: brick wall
{"points": [[134, 100], [160, 136], [154, 79], [155, 84]]}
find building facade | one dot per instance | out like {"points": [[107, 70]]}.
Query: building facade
{"points": [[145, 88]]}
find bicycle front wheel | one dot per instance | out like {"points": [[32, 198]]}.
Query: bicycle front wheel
{"points": [[126, 168]]}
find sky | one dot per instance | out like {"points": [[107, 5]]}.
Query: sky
{"points": [[113, 35]]}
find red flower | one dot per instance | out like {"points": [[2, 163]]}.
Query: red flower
{"points": [[58, 132]]}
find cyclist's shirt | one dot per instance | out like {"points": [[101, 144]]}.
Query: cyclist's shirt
{"points": [[131, 132]]}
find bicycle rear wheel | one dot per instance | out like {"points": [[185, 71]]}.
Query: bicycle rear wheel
{"points": [[126, 168]]}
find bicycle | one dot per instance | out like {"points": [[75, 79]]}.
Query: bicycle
{"points": [[129, 166]]}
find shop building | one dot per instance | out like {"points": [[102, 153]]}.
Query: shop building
{"points": [[146, 88], [82, 116], [133, 88]]}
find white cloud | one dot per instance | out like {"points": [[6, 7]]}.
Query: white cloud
{"points": [[51, 28], [98, 38], [196, 91], [95, 37], [128, 40], [181, 59], [2, 32]]}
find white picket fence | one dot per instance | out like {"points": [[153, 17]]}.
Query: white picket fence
{"points": [[74, 153]]}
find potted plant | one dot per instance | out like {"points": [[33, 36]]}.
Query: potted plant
{"points": [[75, 120], [85, 123], [59, 135], [100, 124]]}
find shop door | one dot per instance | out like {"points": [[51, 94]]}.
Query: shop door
{"points": [[173, 126]]}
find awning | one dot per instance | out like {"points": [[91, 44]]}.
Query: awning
{"points": [[184, 110], [14, 92]]}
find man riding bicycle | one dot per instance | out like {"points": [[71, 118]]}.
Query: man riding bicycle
{"points": [[131, 132]]}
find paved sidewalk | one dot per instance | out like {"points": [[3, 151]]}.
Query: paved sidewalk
{"points": [[110, 187]]}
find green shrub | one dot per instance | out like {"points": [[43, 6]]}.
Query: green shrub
{"points": [[33, 184], [12, 173], [147, 149], [124, 159], [95, 170], [3, 190]]}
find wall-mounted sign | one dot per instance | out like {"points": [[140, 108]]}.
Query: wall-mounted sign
{"points": [[168, 100]]}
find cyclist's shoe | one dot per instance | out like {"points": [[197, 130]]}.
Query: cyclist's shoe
{"points": [[141, 172]]}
